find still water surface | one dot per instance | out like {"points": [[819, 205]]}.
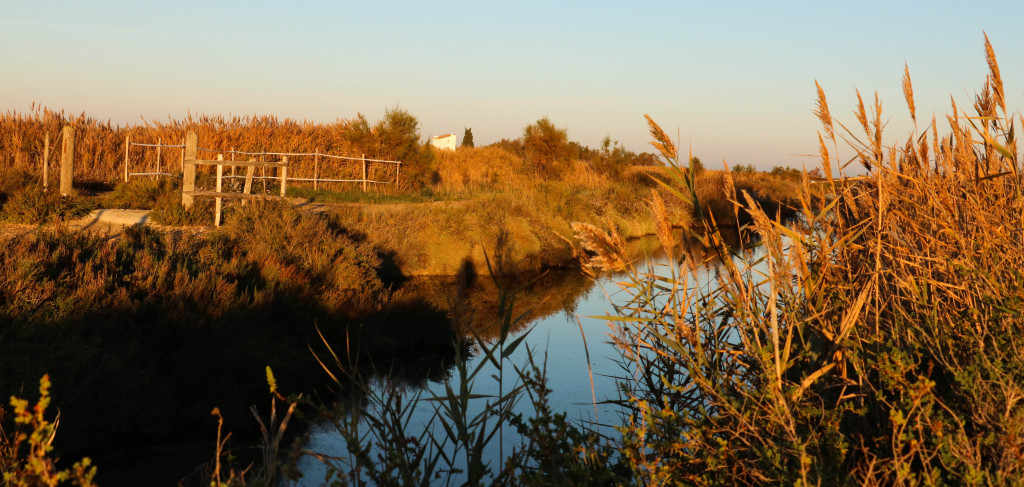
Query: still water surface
{"points": [[564, 324]]}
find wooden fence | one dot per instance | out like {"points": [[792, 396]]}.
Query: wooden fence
{"points": [[190, 162], [159, 162], [67, 161], [370, 174]]}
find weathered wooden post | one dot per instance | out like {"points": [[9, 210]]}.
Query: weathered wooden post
{"points": [[46, 163], [263, 169], [188, 179], [220, 186], [364, 173], [284, 174], [250, 170], [67, 160], [127, 143], [159, 144], [182, 154], [316, 170]]}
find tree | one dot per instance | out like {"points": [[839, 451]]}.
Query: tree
{"points": [[359, 135], [547, 146], [696, 165], [398, 134], [545, 143], [467, 137]]}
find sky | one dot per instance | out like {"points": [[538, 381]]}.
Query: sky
{"points": [[734, 80]]}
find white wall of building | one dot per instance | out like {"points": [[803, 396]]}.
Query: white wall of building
{"points": [[443, 142]]}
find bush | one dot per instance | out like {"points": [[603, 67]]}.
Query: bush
{"points": [[168, 210], [143, 193], [547, 147], [22, 200], [31, 205]]}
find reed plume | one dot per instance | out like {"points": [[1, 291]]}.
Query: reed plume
{"points": [[822, 112], [662, 223], [996, 81], [608, 247], [661, 141], [908, 92]]}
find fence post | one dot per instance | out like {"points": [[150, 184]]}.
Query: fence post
{"points": [[316, 170], [364, 173], [188, 178], [46, 163], [159, 143], [250, 170], [127, 143], [284, 174], [182, 154], [220, 186], [263, 169], [67, 160]]}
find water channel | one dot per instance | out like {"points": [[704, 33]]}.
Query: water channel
{"points": [[563, 323]]}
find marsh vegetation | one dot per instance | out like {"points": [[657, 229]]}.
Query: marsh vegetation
{"points": [[872, 340]]}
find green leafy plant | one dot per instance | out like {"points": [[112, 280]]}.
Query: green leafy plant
{"points": [[26, 450]]}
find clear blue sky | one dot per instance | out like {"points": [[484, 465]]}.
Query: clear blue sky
{"points": [[735, 78]]}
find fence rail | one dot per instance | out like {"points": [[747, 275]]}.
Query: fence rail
{"points": [[159, 145], [316, 178]]}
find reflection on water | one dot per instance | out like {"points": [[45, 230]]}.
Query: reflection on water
{"points": [[560, 307]]}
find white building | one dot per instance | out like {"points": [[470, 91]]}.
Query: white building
{"points": [[443, 142]]}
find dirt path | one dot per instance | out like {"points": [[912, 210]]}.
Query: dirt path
{"points": [[106, 222], [111, 222]]}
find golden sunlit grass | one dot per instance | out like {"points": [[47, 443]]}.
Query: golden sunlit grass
{"points": [[100, 146], [482, 168], [875, 341]]}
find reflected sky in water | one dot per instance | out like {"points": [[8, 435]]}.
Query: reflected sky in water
{"points": [[564, 311]]}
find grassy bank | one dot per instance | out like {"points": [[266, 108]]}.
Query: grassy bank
{"points": [[479, 193]]}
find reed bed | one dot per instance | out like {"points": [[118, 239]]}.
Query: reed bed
{"points": [[875, 341], [100, 146]]}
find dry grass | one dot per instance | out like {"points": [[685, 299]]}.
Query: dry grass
{"points": [[876, 341], [100, 146], [480, 168]]}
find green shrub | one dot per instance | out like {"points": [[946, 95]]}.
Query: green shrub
{"points": [[142, 193], [31, 205], [26, 450], [168, 210]]}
